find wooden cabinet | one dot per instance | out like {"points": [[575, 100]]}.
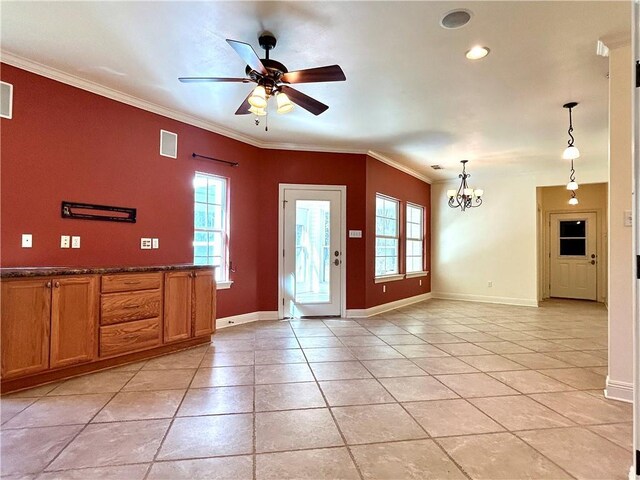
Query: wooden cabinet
{"points": [[48, 323], [64, 323], [74, 320], [25, 323], [190, 306], [204, 303], [130, 313], [177, 306]]}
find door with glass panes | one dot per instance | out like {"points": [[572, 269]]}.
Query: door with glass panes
{"points": [[573, 258], [312, 254]]}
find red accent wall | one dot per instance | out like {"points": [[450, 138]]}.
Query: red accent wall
{"points": [[382, 178], [64, 143]]}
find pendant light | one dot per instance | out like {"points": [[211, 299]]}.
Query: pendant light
{"points": [[465, 197], [571, 153]]}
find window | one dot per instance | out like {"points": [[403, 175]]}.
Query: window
{"points": [[573, 238], [387, 235], [415, 238], [210, 237]]}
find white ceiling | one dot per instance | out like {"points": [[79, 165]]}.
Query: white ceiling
{"points": [[410, 92]]}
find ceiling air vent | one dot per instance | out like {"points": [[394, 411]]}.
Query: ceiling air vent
{"points": [[168, 144], [455, 19], [436, 167]]}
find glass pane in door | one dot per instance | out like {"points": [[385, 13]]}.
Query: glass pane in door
{"points": [[573, 238], [313, 255]]}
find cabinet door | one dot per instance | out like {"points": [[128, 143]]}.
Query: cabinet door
{"points": [[177, 306], [74, 320], [25, 317], [204, 307]]}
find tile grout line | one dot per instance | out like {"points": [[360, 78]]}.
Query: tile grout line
{"points": [[335, 421]]}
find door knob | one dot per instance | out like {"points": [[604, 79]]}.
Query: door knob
{"points": [[593, 262], [593, 255], [336, 253], [336, 262]]}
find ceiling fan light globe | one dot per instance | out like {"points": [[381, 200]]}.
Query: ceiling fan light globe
{"points": [[258, 98], [284, 104], [573, 201], [572, 186], [260, 112], [570, 153]]}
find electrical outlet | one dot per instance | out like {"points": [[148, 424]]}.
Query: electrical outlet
{"points": [[155, 243], [27, 240], [489, 283], [75, 241], [145, 244], [384, 288], [65, 241]]}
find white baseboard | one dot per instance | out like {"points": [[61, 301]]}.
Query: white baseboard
{"points": [[245, 318], [465, 297], [617, 390], [385, 307]]}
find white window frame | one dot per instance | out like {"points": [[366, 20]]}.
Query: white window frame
{"points": [[387, 277], [222, 271], [421, 272]]}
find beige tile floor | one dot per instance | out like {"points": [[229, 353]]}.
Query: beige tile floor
{"points": [[440, 389]]}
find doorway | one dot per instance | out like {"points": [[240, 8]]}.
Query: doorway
{"points": [[573, 259], [312, 267]]}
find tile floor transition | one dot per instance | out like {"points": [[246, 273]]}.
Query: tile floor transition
{"points": [[440, 389]]}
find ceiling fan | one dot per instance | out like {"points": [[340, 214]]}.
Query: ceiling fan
{"points": [[273, 79]]}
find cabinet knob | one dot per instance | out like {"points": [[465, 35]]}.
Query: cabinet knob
{"points": [[48, 284], [57, 284], [195, 274]]}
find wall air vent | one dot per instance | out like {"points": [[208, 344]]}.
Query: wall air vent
{"points": [[436, 167], [6, 100], [168, 144]]}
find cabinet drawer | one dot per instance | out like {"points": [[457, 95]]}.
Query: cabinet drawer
{"points": [[131, 281], [129, 337], [127, 306]]}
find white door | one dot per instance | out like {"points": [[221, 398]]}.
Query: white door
{"points": [[312, 256], [573, 261]]}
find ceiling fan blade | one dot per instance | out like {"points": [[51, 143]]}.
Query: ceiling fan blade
{"points": [[330, 73], [212, 79], [248, 54], [305, 101], [244, 107]]}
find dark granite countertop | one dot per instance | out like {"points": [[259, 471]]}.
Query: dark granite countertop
{"points": [[22, 272]]}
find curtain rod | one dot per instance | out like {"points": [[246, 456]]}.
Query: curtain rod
{"points": [[231, 164]]}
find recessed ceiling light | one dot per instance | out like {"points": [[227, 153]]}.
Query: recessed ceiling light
{"points": [[477, 52], [455, 19]]}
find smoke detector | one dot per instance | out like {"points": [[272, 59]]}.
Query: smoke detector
{"points": [[436, 167]]}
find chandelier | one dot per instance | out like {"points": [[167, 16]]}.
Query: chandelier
{"points": [[464, 197], [571, 153]]}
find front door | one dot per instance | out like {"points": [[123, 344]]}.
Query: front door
{"points": [[312, 256], [573, 259]]}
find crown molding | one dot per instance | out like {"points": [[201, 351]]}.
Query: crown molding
{"points": [[399, 166], [93, 87]]}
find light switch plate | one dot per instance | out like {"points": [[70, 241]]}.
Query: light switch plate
{"points": [[355, 233], [27, 240], [628, 218], [65, 241], [145, 244], [75, 241], [155, 243]]}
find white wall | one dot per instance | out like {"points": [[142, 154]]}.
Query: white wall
{"points": [[621, 258], [496, 242]]}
